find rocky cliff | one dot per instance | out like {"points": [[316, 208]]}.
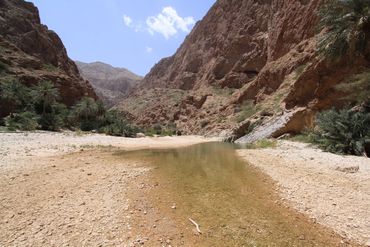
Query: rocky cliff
{"points": [[30, 52], [249, 67], [110, 83]]}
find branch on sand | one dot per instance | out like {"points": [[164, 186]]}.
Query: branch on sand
{"points": [[196, 225]]}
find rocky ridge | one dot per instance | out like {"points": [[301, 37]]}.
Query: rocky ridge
{"points": [[246, 64], [30, 52], [110, 83]]}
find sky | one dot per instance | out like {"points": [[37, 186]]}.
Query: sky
{"points": [[124, 33]]}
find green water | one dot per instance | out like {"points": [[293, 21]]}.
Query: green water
{"points": [[234, 203]]}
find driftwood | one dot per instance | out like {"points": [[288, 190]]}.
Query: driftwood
{"points": [[196, 225]]}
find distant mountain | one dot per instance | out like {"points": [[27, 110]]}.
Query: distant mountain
{"points": [[110, 83]]}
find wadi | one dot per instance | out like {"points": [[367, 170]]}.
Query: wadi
{"points": [[254, 132]]}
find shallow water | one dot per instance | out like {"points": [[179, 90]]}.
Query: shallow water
{"points": [[234, 203]]}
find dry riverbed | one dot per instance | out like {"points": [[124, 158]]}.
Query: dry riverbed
{"points": [[333, 190], [63, 189]]}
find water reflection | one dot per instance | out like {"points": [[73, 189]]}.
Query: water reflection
{"points": [[234, 202]]}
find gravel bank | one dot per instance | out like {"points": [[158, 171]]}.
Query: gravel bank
{"points": [[332, 189]]}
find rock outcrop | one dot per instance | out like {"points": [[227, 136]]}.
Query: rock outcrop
{"points": [[30, 52], [109, 83], [247, 63]]}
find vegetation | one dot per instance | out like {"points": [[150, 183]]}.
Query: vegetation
{"points": [[159, 130], [345, 131], [50, 68], [346, 24], [247, 110], [264, 143], [357, 88], [39, 107], [22, 121], [113, 124], [15, 94]]}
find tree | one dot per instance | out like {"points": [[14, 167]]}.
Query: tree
{"points": [[346, 24], [345, 131], [15, 93], [22, 121], [45, 94], [114, 124], [86, 112]]}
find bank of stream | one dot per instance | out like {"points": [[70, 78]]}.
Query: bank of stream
{"points": [[233, 202]]}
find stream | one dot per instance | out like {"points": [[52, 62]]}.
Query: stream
{"points": [[234, 203]]}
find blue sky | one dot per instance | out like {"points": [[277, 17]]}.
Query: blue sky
{"points": [[124, 33]]}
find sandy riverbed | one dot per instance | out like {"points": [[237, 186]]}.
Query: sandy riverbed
{"points": [[332, 189], [63, 189]]}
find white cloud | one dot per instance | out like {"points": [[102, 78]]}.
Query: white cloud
{"points": [[148, 49], [127, 20], [168, 23]]}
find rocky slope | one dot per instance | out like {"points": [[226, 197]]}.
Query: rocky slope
{"points": [[109, 83], [30, 52], [247, 63]]}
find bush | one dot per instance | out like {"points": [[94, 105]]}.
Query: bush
{"points": [[159, 130], [114, 124], [55, 119], [22, 121], [264, 143], [344, 131]]}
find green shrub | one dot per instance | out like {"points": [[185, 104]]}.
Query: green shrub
{"points": [[264, 143], [247, 110], [55, 119], [22, 121], [344, 131], [50, 68], [112, 123], [159, 130], [305, 137]]}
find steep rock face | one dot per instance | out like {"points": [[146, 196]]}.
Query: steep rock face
{"points": [[31, 52], [251, 62], [110, 83]]}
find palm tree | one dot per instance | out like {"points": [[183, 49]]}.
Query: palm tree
{"points": [[45, 93], [86, 108], [347, 27], [15, 92]]}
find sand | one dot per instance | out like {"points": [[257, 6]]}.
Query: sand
{"points": [[334, 190], [63, 189]]}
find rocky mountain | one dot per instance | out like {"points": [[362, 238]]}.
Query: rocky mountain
{"points": [[249, 68], [30, 52], [109, 83]]}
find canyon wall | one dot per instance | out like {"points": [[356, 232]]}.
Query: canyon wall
{"points": [[30, 52], [250, 63]]}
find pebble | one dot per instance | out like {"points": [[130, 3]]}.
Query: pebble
{"points": [[367, 244]]}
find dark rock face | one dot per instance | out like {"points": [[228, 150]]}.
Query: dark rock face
{"points": [[251, 52], [33, 52], [111, 84]]}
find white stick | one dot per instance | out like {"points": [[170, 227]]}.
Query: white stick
{"points": [[196, 225]]}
